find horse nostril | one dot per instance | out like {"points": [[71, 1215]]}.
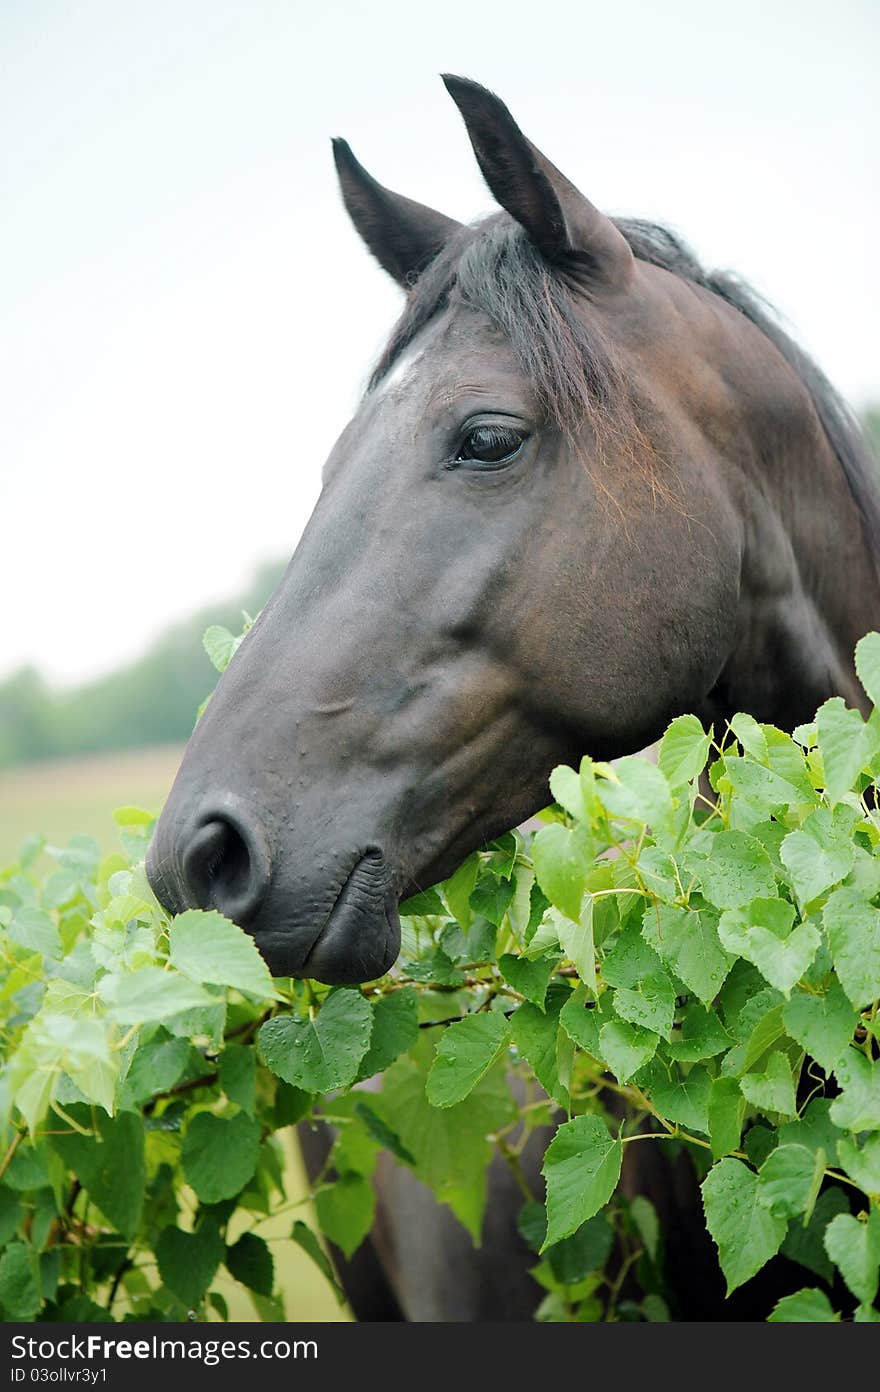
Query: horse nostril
{"points": [[226, 867]]}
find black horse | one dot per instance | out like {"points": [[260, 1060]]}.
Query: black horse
{"points": [[590, 486]]}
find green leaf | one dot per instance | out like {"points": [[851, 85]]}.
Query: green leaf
{"points": [[820, 853], [55, 1043], [538, 906], [292, 1104], [31, 847], [466, 1051], [566, 787], [110, 1166], [647, 1224], [702, 1036], [745, 1232], [581, 1168], [220, 1154], [660, 874], [382, 1134], [205, 946], [151, 995], [321, 1054], [220, 645], [304, 1237], [854, 1247], [861, 1164], [531, 1224], [806, 1244], [788, 1179], [813, 1129], [28, 1168], [449, 1144], [726, 1108], [529, 978], [868, 665], [750, 735], [858, 1106], [626, 1048], [736, 871], [20, 1294], [630, 960], [33, 928], [652, 1005], [638, 792], [582, 1021], [458, 889], [576, 941], [535, 1035], [777, 916], [545, 938], [586, 1250], [768, 1029], [237, 1067], [395, 1031], [426, 902], [772, 1090], [206, 1022], [757, 790], [189, 1261], [853, 929], [156, 1067], [61, 889], [11, 1214], [683, 1098], [345, 1211], [354, 1150], [847, 746], [687, 941], [762, 932], [823, 1025], [807, 1306], [683, 751], [787, 760], [492, 897], [560, 857], [249, 1261], [133, 816]]}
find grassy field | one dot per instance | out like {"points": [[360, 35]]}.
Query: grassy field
{"points": [[62, 798], [65, 796]]}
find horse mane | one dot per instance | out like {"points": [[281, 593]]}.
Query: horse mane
{"points": [[493, 266]]}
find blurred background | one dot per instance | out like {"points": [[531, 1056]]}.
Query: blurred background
{"points": [[188, 318]]}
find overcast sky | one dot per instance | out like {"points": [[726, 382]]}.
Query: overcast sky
{"points": [[187, 318]]}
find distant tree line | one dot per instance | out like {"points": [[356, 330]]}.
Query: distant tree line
{"points": [[149, 701]]}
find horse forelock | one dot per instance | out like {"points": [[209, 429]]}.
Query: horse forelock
{"points": [[492, 266]]}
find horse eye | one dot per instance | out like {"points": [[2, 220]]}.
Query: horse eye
{"points": [[490, 444]]}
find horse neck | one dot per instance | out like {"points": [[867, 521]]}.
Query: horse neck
{"points": [[809, 585]]}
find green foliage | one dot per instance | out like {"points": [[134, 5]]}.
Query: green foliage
{"points": [[652, 966]]}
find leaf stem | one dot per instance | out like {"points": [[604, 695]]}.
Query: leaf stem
{"points": [[10, 1153], [516, 1169]]}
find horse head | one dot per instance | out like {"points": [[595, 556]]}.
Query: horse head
{"points": [[524, 547]]}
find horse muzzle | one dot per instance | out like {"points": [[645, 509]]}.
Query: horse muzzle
{"points": [[336, 922]]}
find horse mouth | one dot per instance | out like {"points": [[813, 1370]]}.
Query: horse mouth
{"points": [[360, 939]]}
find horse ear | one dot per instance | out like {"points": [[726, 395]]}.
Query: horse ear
{"points": [[402, 235], [561, 222]]}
